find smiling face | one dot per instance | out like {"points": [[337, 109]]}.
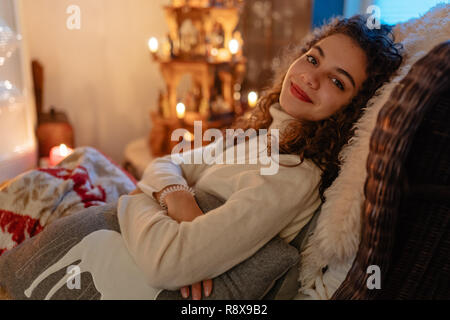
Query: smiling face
{"points": [[324, 79]]}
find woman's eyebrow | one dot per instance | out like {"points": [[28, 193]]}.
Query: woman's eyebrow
{"points": [[340, 70], [345, 73], [318, 48]]}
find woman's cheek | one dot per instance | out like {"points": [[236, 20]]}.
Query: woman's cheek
{"points": [[326, 97], [328, 102], [302, 67]]}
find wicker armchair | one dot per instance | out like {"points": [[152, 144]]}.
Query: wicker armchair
{"points": [[406, 216]]}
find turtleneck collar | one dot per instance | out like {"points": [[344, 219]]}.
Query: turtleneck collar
{"points": [[279, 116]]}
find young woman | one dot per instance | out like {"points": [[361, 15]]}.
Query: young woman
{"points": [[314, 102]]}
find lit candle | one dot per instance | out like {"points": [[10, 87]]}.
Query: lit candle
{"points": [[58, 153], [252, 99], [233, 46], [153, 44], [181, 109]]}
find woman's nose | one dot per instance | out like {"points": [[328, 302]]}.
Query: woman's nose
{"points": [[311, 80]]}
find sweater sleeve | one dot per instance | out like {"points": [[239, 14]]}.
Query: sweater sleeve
{"points": [[172, 255], [184, 169]]}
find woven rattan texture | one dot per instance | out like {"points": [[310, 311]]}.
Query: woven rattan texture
{"points": [[406, 217]]}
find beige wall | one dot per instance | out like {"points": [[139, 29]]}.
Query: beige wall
{"points": [[101, 75], [18, 150]]}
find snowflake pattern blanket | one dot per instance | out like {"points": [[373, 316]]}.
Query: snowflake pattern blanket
{"points": [[34, 199]]}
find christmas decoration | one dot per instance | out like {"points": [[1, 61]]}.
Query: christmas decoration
{"points": [[202, 46]]}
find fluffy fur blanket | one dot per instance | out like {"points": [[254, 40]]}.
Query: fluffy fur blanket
{"points": [[34, 199], [336, 239]]}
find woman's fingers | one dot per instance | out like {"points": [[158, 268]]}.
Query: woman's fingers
{"points": [[197, 291], [185, 291], [207, 287]]}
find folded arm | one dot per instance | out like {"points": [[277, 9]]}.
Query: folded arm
{"points": [[173, 254]]}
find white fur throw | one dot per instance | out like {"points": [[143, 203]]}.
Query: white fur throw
{"points": [[336, 238]]}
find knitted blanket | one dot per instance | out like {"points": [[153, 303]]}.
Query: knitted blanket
{"points": [[34, 199]]}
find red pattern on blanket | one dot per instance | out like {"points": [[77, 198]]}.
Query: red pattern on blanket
{"points": [[83, 186], [18, 226], [38, 197]]}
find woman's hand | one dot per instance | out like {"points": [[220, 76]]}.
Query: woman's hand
{"points": [[181, 205], [196, 289]]}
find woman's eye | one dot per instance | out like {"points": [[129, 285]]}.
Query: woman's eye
{"points": [[311, 59], [338, 84]]}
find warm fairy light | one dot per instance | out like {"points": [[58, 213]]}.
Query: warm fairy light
{"points": [[223, 54], [233, 46], [252, 99], [188, 136], [8, 85], [214, 52], [153, 44], [181, 109]]}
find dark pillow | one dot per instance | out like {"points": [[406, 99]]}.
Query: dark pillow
{"points": [[89, 242], [286, 288]]}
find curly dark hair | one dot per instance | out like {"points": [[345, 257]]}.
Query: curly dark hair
{"points": [[321, 141]]}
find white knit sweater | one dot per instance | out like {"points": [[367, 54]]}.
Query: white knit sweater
{"points": [[257, 208]]}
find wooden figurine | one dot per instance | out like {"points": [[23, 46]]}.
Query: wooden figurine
{"points": [[200, 39]]}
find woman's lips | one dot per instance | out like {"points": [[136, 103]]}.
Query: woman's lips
{"points": [[299, 93]]}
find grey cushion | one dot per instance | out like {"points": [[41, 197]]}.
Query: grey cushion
{"points": [[22, 268], [286, 288]]}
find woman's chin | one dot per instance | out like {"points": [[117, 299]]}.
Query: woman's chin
{"points": [[292, 107]]}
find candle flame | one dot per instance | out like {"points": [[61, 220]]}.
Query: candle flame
{"points": [[181, 109], [252, 99], [233, 46], [63, 150], [153, 44]]}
